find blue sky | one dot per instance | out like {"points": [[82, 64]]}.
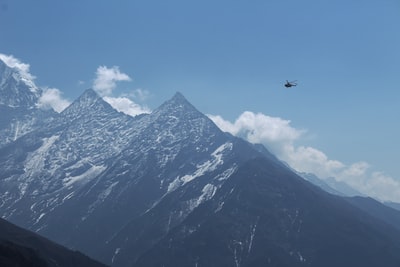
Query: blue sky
{"points": [[228, 57]]}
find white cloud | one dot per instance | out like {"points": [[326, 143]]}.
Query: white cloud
{"points": [[280, 137], [260, 128], [141, 94], [309, 159], [106, 79], [52, 98], [273, 132], [125, 105], [357, 169], [382, 187], [375, 184]]}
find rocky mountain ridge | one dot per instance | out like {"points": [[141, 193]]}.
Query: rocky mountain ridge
{"points": [[170, 188]]}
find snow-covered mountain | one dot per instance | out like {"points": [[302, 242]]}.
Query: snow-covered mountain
{"points": [[16, 88], [18, 105], [171, 189], [91, 163]]}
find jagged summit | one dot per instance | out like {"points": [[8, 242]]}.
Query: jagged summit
{"points": [[89, 93], [17, 89], [182, 120], [178, 97], [179, 107], [89, 102], [87, 98], [178, 100]]}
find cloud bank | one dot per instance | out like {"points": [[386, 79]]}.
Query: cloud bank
{"points": [[280, 138], [52, 98], [140, 94], [105, 83], [260, 128], [107, 78], [126, 105]]}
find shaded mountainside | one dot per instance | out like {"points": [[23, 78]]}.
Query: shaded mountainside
{"points": [[21, 248], [171, 189], [267, 216], [388, 214], [393, 205]]}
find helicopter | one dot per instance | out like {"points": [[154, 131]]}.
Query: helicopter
{"points": [[290, 84]]}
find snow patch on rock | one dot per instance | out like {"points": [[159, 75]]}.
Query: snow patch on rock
{"points": [[208, 166]]}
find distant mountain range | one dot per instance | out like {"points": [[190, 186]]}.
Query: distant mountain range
{"points": [[332, 186], [171, 189]]}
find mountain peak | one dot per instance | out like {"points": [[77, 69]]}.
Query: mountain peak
{"points": [[89, 94], [88, 102], [17, 88], [86, 99], [178, 106], [179, 97], [177, 119]]}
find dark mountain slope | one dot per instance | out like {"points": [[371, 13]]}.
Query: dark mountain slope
{"points": [[19, 247], [376, 209], [393, 205], [267, 216]]}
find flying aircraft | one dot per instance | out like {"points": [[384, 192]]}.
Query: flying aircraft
{"points": [[290, 84]]}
